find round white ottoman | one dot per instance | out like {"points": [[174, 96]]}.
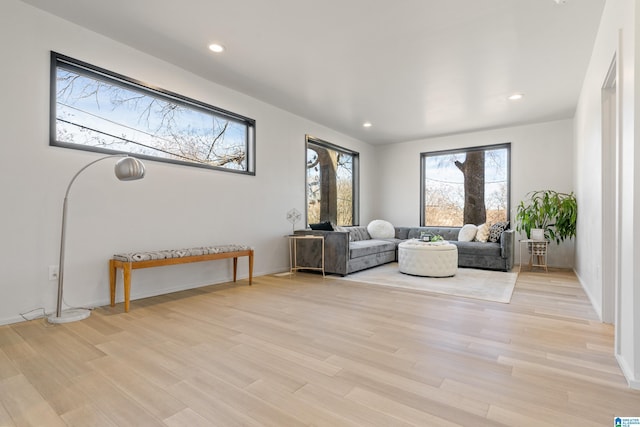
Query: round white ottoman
{"points": [[439, 259]]}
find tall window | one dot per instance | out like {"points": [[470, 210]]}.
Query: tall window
{"points": [[467, 186], [98, 110], [332, 183]]}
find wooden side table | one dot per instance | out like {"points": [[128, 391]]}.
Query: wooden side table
{"points": [[293, 252], [539, 250]]}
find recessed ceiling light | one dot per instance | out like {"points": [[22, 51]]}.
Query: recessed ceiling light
{"points": [[367, 124], [217, 48], [515, 97]]}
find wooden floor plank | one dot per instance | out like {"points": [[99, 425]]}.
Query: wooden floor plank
{"points": [[348, 408], [87, 415], [137, 388], [302, 410], [25, 405], [113, 402], [187, 418], [304, 350], [5, 418], [392, 407], [215, 411]]}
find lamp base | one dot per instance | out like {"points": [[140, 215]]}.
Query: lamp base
{"points": [[70, 316]]}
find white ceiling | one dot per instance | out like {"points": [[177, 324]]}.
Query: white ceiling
{"points": [[413, 68]]}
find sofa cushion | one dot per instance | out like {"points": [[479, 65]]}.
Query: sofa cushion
{"points": [[478, 249], [467, 232], [362, 248], [402, 233], [395, 241], [380, 229], [448, 233]]}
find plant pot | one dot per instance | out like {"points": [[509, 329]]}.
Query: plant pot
{"points": [[537, 234]]}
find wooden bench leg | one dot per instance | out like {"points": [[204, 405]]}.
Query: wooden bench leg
{"points": [[127, 285], [235, 268], [112, 281]]}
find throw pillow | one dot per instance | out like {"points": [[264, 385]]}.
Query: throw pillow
{"points": [[322, 226], [495, 231], [358, 233], [467, 233], [380, 229], [483, 233]]}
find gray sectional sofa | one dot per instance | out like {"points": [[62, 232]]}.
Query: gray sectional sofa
{"points": [[354, 250]]}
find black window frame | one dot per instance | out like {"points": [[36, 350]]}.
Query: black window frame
{"points": [[426, 154], [66, 62], [355, 202]]}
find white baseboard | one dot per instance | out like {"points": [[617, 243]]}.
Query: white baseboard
{"points": [[633, 382], [594, 303], [16, 319]]}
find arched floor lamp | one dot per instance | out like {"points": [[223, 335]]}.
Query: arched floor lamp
{"points": [[126, 169]]}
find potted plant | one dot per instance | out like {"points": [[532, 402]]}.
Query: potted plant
{"points": [[555, 213]]}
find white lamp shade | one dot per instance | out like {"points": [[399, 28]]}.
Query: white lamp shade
{"points": [[129, 169]]}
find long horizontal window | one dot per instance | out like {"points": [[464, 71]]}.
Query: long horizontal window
{"points": [[98, 110]]}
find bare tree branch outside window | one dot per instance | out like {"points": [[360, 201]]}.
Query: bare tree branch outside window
{"points": [[98, 111]]}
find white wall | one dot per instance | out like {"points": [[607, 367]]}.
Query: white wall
{"points": [[541, 158], [617, 28], [174, 206]]}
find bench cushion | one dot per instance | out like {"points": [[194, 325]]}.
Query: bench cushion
{"points": [[178, 253]]}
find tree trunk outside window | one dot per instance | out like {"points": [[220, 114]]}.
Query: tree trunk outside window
{"points": [[328, 163], [473, 171]]}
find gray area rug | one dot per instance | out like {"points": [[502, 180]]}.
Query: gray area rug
{"points": [[468, 282]]}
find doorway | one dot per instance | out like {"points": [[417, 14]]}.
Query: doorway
{"points": [[610, 196]]}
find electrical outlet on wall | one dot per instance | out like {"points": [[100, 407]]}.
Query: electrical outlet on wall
{"points": [[53, 272]]}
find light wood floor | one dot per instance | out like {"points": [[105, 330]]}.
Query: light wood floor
{"points": [[308, 351]]}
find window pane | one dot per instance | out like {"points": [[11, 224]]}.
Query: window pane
{"points": [[444, 190], [497, 185], [345, 189], [97, 112], [330, 184], [466, 186]]}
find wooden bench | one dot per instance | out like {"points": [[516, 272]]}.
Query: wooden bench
{"points": [[135, 260]]}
